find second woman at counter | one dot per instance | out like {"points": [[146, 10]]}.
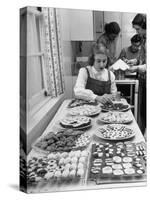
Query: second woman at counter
{"points": [[109, 39], [96, 82]]}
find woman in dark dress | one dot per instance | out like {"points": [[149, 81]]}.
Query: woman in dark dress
{"points": [[139, 24]]}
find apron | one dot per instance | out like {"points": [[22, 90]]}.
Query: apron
{"points": [[98, 87], [142, 102]]}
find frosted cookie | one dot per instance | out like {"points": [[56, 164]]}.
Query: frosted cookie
{"points": [[78, 153], [117, 166], [61, 161], [72, 173], [51, 156], [74, 160], [65, 173], [38, 178], [49, 175], [80, 172], [64, 154], [127, 165], [129, 171], [67, 160], [95, 171], [80, 166], [127, 159], [67, 166], [50, 162], [107, 170], [118, 172], [73, 166], [117, 159], [84, 153], [57, 174], [72, 154], [82, 160], [139, 171]]}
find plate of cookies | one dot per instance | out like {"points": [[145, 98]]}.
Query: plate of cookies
{"points": [[116, 118], [85, 110], [76, 122], [115, 132]]}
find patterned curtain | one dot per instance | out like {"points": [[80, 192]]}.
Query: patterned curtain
{"points": [[53, 67]]}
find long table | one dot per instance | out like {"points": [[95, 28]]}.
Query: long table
{"points": [[61, 113]]}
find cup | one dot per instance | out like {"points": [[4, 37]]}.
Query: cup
{"points": [[117, 96]]}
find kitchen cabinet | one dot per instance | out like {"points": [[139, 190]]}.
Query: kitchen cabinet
{"points": [[81, 25], [98, 17], [85, 25]]}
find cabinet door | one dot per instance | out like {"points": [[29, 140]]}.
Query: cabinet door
{"points": [[81, 25], [98, 23]]}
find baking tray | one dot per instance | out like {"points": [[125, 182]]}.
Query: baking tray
{"points": [[100, 178]]}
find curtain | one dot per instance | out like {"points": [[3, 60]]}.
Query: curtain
{"points": [[53, 66]]}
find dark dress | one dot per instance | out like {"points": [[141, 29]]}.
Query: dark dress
{"points": [[98, 87]]}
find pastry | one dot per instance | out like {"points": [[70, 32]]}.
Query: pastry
{"points": [[107, 170], [117, 166], [72, 173], [117, 159], [80, 172], [65, 173], [127, 159], [127, 165], [129, 171], [118, 172], [75, 121]]}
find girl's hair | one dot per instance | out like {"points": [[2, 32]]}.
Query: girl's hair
{"points": [[112, 28], [140, 20], [136, 38], [98, 49]]}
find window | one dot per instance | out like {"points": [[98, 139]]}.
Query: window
{"points": [[35, 58], [41, 56]]}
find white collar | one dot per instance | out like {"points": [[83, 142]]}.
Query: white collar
{"points": [[96, 72]]}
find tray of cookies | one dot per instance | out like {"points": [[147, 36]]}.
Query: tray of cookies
{"points": [[117, 162], [115, 106], [80, 102], [76, 122], [57, 167], [62, 140], [85, 110], [115, 118]]}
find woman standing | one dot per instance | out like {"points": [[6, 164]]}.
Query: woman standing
{"points": [[139, 24], [109, 39]]}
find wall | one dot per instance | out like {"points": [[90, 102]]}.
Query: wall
{"points": [[67, 50]]}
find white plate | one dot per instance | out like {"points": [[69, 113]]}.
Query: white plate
{"points": [[119, 110], [78, 128], [114, 122], [81, 112], [104, 132]]}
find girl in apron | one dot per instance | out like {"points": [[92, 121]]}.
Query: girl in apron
{"points": [[96, 82]]}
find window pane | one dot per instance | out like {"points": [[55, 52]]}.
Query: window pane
{"points": [[34, 74]]}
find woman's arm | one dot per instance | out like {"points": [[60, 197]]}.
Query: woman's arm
{"points": [[80, 90]]}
